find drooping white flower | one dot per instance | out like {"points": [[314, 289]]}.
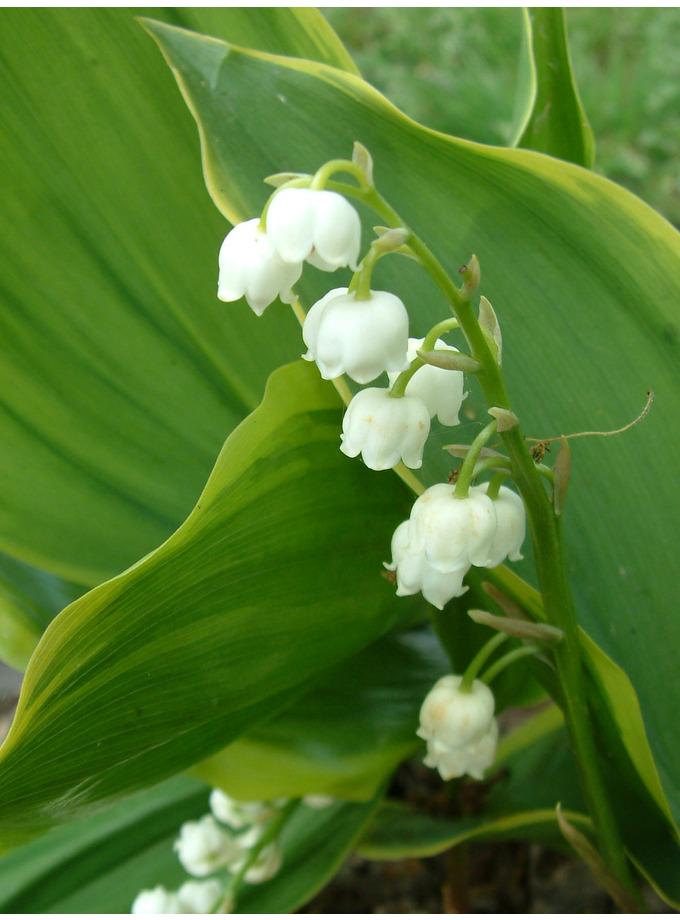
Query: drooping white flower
{"points": [[511, 529], [414, 573], [203, 846], [266, 865], [440, 390], [472, 759], [361, 338], [385, 429], [454, 533], [199, 897], [317, 225], [459, 728], [156, 901], [250, 267], [238, 814]]}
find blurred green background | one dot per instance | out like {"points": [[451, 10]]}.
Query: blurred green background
{"points": [[455, 70]]}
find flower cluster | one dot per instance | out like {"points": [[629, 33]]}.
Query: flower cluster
{"points": [[459, 728], [220, 841], [261, 264], [446, 535], [364, 334]]}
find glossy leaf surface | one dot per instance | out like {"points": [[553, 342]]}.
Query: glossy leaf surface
{"points": [[247, 601]]}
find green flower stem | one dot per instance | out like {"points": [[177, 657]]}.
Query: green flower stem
{"points": [[322, 175], [495, 669], [480, 660], [468, 468], [270, 834], [399, 386], [430, 340], [361, 282], [546, 535], [494, 486]]}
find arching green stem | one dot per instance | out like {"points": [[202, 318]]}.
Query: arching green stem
{"points": [[480, 660], [467, 470], [495, 669]]}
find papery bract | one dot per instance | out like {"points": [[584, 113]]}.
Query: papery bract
{"points": [[441, 390], [318, 225], [251, 268], [385, 429], [361, 338]]}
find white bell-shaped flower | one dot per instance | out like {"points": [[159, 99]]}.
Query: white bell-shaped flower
{"points": [[454, 533], [459, 728], [203, 846], [511, 529], [361, 338], [453, 717], [199, 897], [251, 268], [266, 865], [385, 429], [317, 225], [472, 759], [440, 390], [156, 901], [238, 814], [414, 573]]}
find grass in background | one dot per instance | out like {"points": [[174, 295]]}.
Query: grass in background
{"points": [[455, 70]]}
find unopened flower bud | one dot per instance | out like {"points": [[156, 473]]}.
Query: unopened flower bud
{"points": [[361, 338], [385, 429], [317, 225], [203, 846], [440, 390], [250, 268]]}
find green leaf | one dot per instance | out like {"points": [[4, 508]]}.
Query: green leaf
{"points": [[345, 734], [102, 862], [122, 373], [248, 600], [297, 31], [583, 277], [557, 124]]}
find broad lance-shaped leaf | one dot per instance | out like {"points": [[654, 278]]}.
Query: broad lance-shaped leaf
{"points": [[584, 280], [346, 734], [111, 414], [273, 578], [121, 372]]}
